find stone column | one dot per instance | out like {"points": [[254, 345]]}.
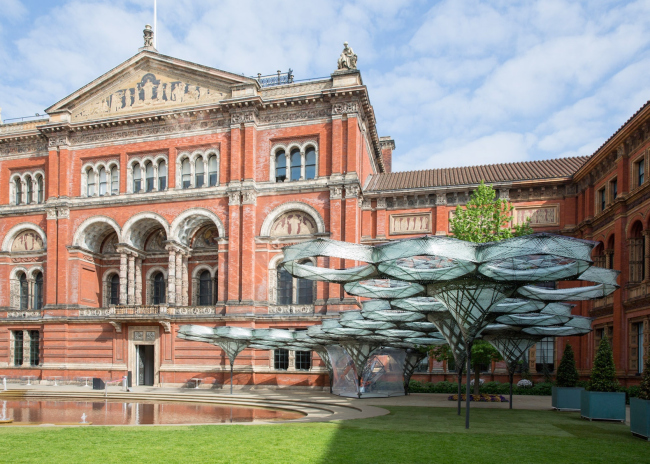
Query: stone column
{"points": [[155, 177], [130, 298], [609, 256], [186, 281], [179, 278], [26, 345], [646, 255], [302, 165], [171, 277], [138, 281], [123, 277]]}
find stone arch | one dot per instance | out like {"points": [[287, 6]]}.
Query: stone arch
{"points": [[31, 274], [17, 229], [204, 267], [149, 288], [136, 230], [13, 275], [292, 206], [637, 218], [93, 231], [190, 221]]}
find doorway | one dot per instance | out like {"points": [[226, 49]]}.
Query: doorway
{"points": [[144, 364]]}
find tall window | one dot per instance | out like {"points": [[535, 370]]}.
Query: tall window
{"points": [[305, 291], [34, 347], [296, 164], [285, 286], [280, 166], [37, 300], [636, 347], [30, 189], [137, 178], [90, 175], [614, 189], [103, 184], [39, 189], [303, 360], [545, 355], [602, 199], [24, 292], [158, 288], [640, 172], [115, 186], [187, 174], [18, 347], [115, 290], [281, 359], [150, 179], [19, 191], [212, 170], [199, 173], [310, 163], [636, 246], [162, 176], [205, 289]]}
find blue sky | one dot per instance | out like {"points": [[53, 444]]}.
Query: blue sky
{"points": [[455, 83]]}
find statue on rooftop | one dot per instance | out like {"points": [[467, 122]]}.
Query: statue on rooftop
{"points": [[148, 36], [348, 59]]}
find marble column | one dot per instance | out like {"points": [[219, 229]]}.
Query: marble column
{"points": [[179, 278], [123, 278], [26, 346], [138, 281], [171, 277], [130, 299], [186, 281]]}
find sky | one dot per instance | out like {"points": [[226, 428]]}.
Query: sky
{"points": [[455, 83]]}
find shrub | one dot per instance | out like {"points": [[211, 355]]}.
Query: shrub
{"points": [[603, 374], [644, 388], [525, 383], [567, 374]]}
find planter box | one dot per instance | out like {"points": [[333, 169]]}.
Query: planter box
{"points": [[566, 398], [640, 417], [602, 405]]}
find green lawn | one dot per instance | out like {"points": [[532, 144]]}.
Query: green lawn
{"points": [[407, 435]]}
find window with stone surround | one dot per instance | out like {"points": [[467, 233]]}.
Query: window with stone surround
{"points": [[636, 247], [27, 188], [601, 199], [34, 348], [303, 360], [159, 288], [638, 172], [100, 179], [198, 169], [293, 290], [613, 190], [18, 347], [26, 289], [281, 359], [147, 174], [294, 162], [637, 346]]}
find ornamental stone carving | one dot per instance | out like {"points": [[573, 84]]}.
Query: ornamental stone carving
{"points": [[57, 141], [345, 108], [381, 203], [348, 59], [294, 223], [63, 212], [336, 192], [441, 198], [243, 117], [249, 197], [504, 194], [366, 205], [28, 240], [351, 191], [291, 309], [23, 314], [234, 198]]}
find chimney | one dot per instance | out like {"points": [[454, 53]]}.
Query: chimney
{"points": [[387, 146]]}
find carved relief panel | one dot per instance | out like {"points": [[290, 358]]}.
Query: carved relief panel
{"points": [[540, 216], [415, 223], [294, 223]]}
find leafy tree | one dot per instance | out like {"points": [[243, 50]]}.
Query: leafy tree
{"points": [[567, 374], [644, 388], [482, 353], [486, 218], [603, 374]]}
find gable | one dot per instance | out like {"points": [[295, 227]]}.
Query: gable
{"points": [[149, 82]]}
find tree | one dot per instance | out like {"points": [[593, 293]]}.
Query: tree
{"points": [[567, 374], [644, 390], [486, 218], [482, 353], [603, 374]]}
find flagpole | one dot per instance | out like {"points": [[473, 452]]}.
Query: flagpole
{"points": [[155, 28]]}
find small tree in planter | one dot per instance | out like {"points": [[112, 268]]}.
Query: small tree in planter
{"points": [[601, 400], [640, 406], [565, 394], [482, 353]]}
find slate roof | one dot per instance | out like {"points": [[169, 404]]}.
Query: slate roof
{"points": [[470, 175]]}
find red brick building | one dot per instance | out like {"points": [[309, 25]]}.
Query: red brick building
{"points": [[161, 194]]}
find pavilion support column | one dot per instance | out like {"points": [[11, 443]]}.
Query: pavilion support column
{"points": [[171, 277], [186, 280], [123, 277], [138, 281], [130, 297], [179, 278]]}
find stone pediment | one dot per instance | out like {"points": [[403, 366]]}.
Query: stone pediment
{"points": [[146, 83]]}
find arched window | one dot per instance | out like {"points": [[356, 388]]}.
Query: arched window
{"points": [[305, 290], [137, 178], [148, 169], [310, 163], [90, 191], [19, 190], [199, 172], [187, 174], [285, 287], [115, 188], [636, 245], [162, 176], [24, 291], [39, 189], [30, 189], [114, 297], [280, 166], [205, 289], [212, 170], [102, 182], [37, 301], [158, 288], [296, 164]]}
